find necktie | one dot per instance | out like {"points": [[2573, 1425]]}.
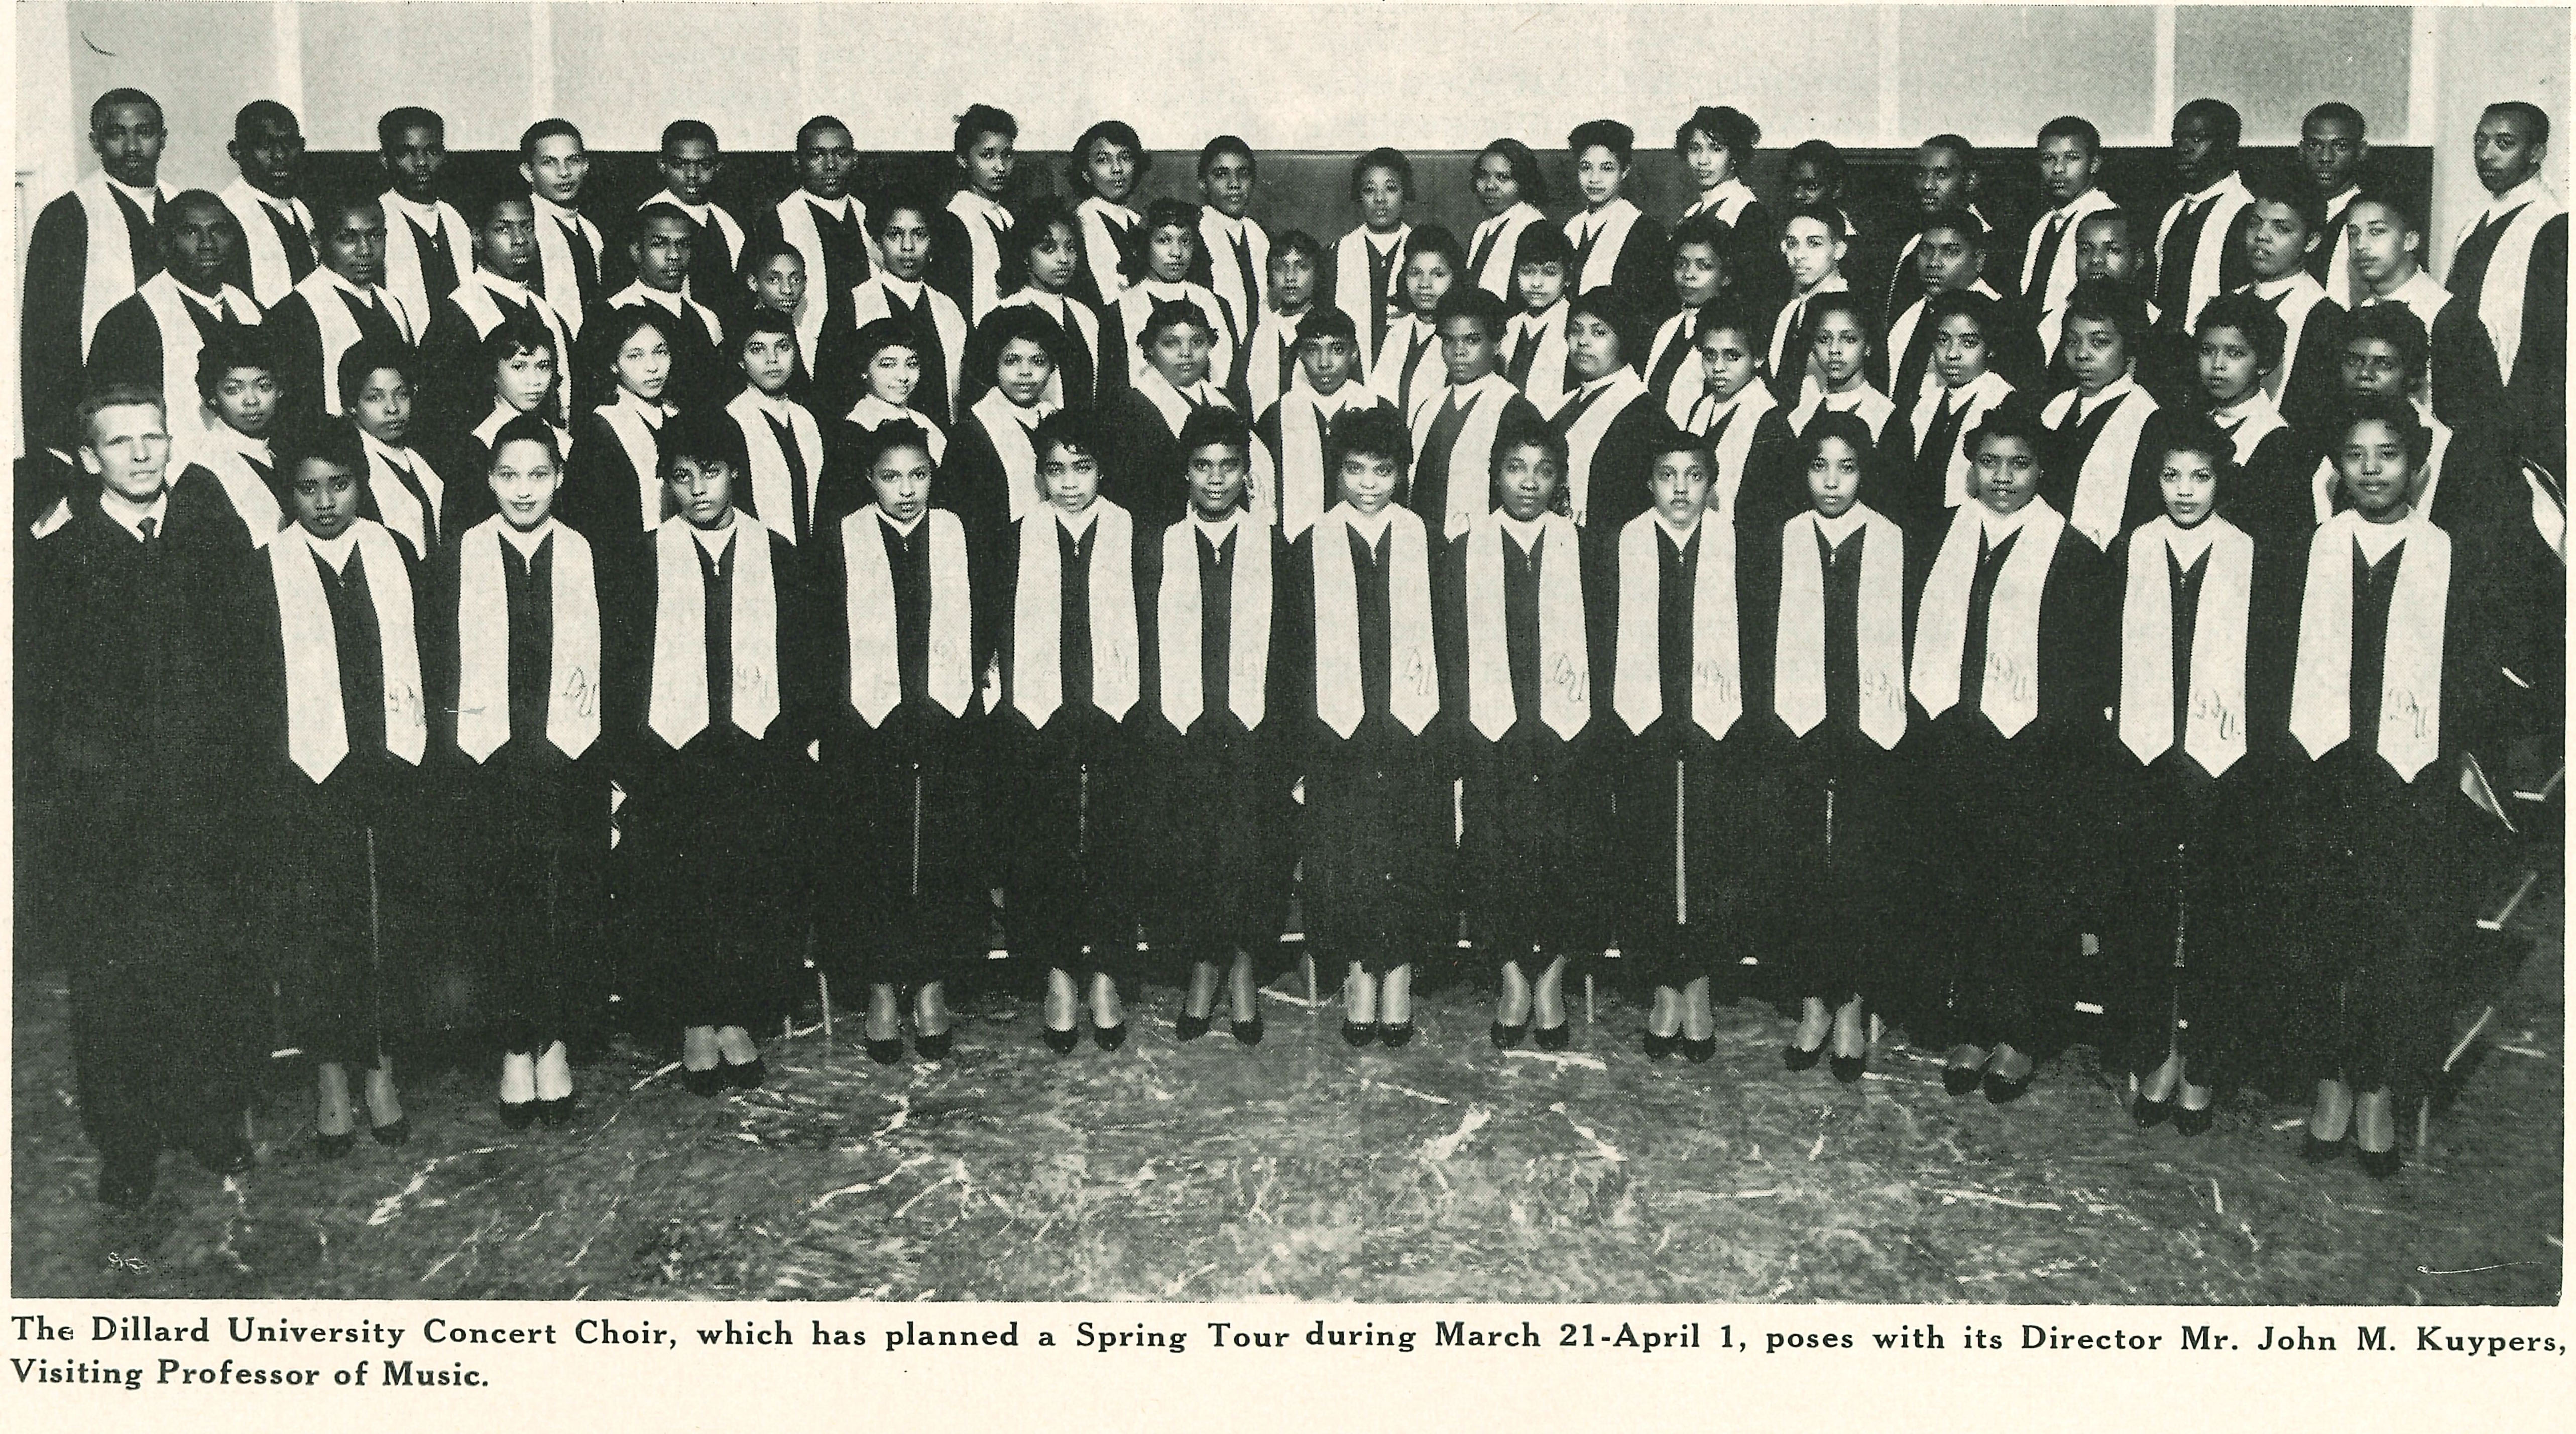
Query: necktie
{"points": [[785, 433], [585, 264], [437, 265], [411, 484], [146, 526], [1251, 281], [2045, 264]]}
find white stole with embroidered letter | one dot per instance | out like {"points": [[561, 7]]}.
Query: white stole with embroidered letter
{"points": [[1177, 625], [483, 644], [2008, 692], [876, 668], [1798, 662], [317, 730], [1717, 656], [2410, 704], [1037, 615], [2214, 730], [1413, 678], [679, 701], [1564, 662], [1470, 482]]}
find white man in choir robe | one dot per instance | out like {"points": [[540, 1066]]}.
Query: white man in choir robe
{"points": [[1368, 262], [341, 304], [1168, 245], [1944, 183], [429, 247], [1268, 361], [2464, 386], [1534, 341], [2269, 460], [691, 162], [1699, 274], [2197, 256], [1407, 370], [277, 230], [1455, 431], [401, 491], [970, 236], [90, 248], [152, 336], [2101, 465], [1616, 246], [489, 296], [240, 399], [1232, 259], [781, 437], [661, 251], [556, 166], [2510, 265], [1513, 590], [1509, 189], [1293, 433], [1606, 419], [2070, 158], [1107, 164], [2286, 228], [2334, 145]]}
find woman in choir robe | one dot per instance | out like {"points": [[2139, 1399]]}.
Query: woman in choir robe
{"points": [[402, 491], [774, 273], [1533, 338], [784, 488], [969, 234], [2103, 431], [1368, 262], [1455, 431], [1214, 763], [1962, 388], [1517, 665], [510, 637], [900, 645], [1267, 367], [519, 362], [1143, 422], [1065, 745], [1843, 883], [1408, 371], [2207, 628], [1670, 366], [1509, 189], [1041, 257], [2009, 665], [1684, 645], [888, 358], [1108, 164], [1616, 246], [991, 478], [236, 379], [1607, 420], [1365, 703], [2385, 705], [1746, 430], [1716, 144], [2267, 493], [342, 728], [1845, 344], [1291, 433], [710, 646], [1169, 247], [613, 479]]}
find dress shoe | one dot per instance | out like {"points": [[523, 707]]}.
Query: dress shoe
{"points": [[1553, 1038], [1395, 1036], [556, 1113], [2187, 1121], [1187, 1027], [517, 1114], [1248, 1032], [396, 1131], [222, 1154], [2378, 1164], [2150, 1113], [1109, 1038], [1960, 1079], [885, 1052], [746, 1075], [706, 1084], [934, 1048], [125, 1181], [2000, 1091], [1506, 1037], [1358, 1033], [1658, 1047], [335, 1147], [1798, 1060], [1699, 1052], [1848, 1069], [1062, 1042], [2320, 1152]]}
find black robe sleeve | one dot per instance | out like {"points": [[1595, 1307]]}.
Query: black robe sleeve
{"points": [[125, 350], [49, 332], [295, 344], [952, 261], [2539, 387], [1771, 492], [2467, 393], [1620, 465], [454, 391], [1642, 277], [975, 486], [2314, 394], [598, 499]]}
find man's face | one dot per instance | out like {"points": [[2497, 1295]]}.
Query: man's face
{"points": [[1069, 478], [2277, 240], [129, 449], [1941, 179], [1466, 349], [1592, 346], [508, 239], [1527, 476], [988, 162], [1811, 249], [203, 234], [1022, 371], [702, 488], [2383, 247], [128, 139], [322, 496], [2103, 250], [1180, 354], [769, 361], [2229, 367], [1168, 252], [2373, 367], [1678, 485], [556, 169], [270, 152], [1328, 362], [2007, 474], [1227, 184], [689, 170], [1697, 274], [2331, 150], [826, 162], [524, 479], [1725, 361], [384, 406], [354, 245], [1947, 259], [2066, 169], [2507, 150], [245, 401], [1217, 473], [1292, 280], [778, 285], [2201, 154], [1809, 185], [901, 477], [906, 242], [2189, 483], [661, 250], [418, 153]]}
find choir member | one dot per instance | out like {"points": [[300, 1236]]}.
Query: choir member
{"points": [[342, 303], [1950, 251], [127, 649], [1944, 183], [334, 694], [1043, 258], [1843, 352], [402, 491], [1292, 431], [1959, 387], [1700, 273], [1108, 162], [1607, 420], [828, 227], [2387, 244], [1842, 877], [1616, 246], [1066, 752], [2070, 159], [429, 248], [1533, 345], [151, 336], [2008, 668], [900, 643], [518, 365], [691, 161], [1407, 368], [660, 249], [1716, 145], [1813, 244], [1748, 435], [886, 355], [1214, 765], [615, 476], [1457, 428], [1813, 177], [2101, 470], [991, 480], [2206, 633], [1376, 850], [781, 437], [2265, 491], [1231, 256], [2334, 145], [2106, 247], [773, 273], [1509, 189], [1517, 666], [968, 237], [709, 648], [2197, 256], [239, 401], [2384, 705], [556, 166], [277, 248], [91, 248], [2285, 227], [493, 293], [1368, 262], [1143, 423], [2509, 265], [898, 292], [1167, 245], [1267, 364], [512, 646], [1683, 645]]}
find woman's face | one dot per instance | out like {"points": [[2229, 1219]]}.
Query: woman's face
{"points": [[1496, 187], [1833, 478], [1023, 371], [1053, 259], [2378, 471], [1842, 345], [1598, 173], [1382, 200], [1427, 277], [1592, 346], [2189, 482], [523, 380], [2007, 474], [524, 479], [1710, 164], [1069, 478], [644, 364], [893, 374], [1111, 167], [2228, 371], [1959, 351]]}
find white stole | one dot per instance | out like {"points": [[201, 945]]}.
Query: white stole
{"points": [[871, 413], [2298, 300], [181, 342], [1546, 389], [402, 257], [322, 295], [1734, 448], [2102, 484], [108, 254], [1616, 218], [1689, 381], [1430, 374], [1471, 459], [1798, 662], [1984, 393], [2421, 499], [395, 506], [876, 668], [1037, 615], [2217, 232], [2259, 419], [2500, 293], [1135, 308], [1413, 677], [560, 269], [2410, 705], [1496, 278], [1564, 662], [2214, 733], [679, 700], [1265, 377], [317, 730], [1177, 625], [483, 646], [1305, 488], [1874, 407], [983, 249], [1717, 656], [1351, 289], [252, 499], [770, 486], [797, 230], [643, 446], [1216, 246], [271, 276], [1583, 439], [1010, 439], [2008, 692]]}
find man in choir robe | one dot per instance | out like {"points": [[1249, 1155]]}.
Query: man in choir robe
{"points": [[781, 437], [1266, 364], [970, 237], [2509, 266], [1142, 424], [1814, 244], [901, 230], [135, 637], [1608, 421], [343, 302], [400, 488], [91, 247], [826, 224], [2070, 157], [2285, 227], [663, 253], [556, 166], [151, 337], [1232, 260], [691, 162], [2334, 144], [1294, 431], [2197, 256], [429, 247], [1456, 429], [1949, 252], [2387, 262], [1944, 183], [277, 248], [493, 292]]}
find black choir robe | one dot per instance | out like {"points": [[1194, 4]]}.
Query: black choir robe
{"points": [[1217, 793], [1613, 481], [701, 374], [1078, 358], [2272, 497], [603, 490], [978, 486], [309, 378], [457, 389], [1143, 471], [50, 322], [2072, 441], [902, 860], [127, 349], [2310, 393], [708, 874], [2536, 380], [1377, 848], [1770, 487], [1640, 264], [1325, 478], [129, 760], [1443, 462], [955, 266], [2468, 389]]}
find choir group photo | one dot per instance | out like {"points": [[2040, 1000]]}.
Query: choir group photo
{"points": [[1722, 654]]}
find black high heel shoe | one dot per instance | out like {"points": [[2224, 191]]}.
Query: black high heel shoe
{"points": [[1659, 1047], [1848, 1069], [2000, 1091], [1699, 1052], [1062, 1042], [885, 1052], [1553, 1038], [934, 1048], [1248, 1033], [1187, 1028], [517, 1114], [396, 1131], [2187, 1121], [1358, 1033], [1959, 1080], [335, 1147], [1395, 1036], [747, 1075], [2378, 1164], [1506, 1037], [2320, 1152], [2150, 1113], [557, 1113], [1109, 1038], [706, 1084], [1798, 1060]]}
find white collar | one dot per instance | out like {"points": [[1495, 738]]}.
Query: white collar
{"points": [[700, 212], [2000, 526], [2335, 205], [212, 303], [2226, 184], [345, 284], [974, 199], [143, 198], [776, 405], [2091, 199], [2521, 194], [651, 413], [510, 289], [2244, 408], [1216, 532], [1370, 526], [2419, 285], [1076, 523], [1836, 530], [908, 290], [1230, 228], [1523, 533], [1832, 283], [335, 551], [1589, 387], [373, 444], [1982, 386], [2189, 543], [290, 206], [1732, 186], [1339, 399], [1846, 399], [2086, 407], [427, 214], [670, 302], [2270, 289], [1544, 319], [223, 435], [902, 530], [527, 542], [1099, 205], [845, 206], [1681, 536], [2377, 538], [551, 210], [872, 412], [130, 514], [714, 539], [1382, 242]]}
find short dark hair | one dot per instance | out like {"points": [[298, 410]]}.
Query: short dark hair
{"points": [[361, 359], [1957, 221], [2389, 199], [1372, 432], [1076, 430], [1955, 143], [760, 321], [185, 200], [1845, 301], [545, 129], [2231, 125], [2396, 326], [2199, 433], [1117, 132], [1327, 321], [1222, 145], [660, 209], [233, 346], [333, 443], [2397, 413], [115, 395], [979, 121], [1726, 126], [1433, 239], [2529, 113], [2339, 112], [881, 214], [484, 212], [526, 428], [122, 96], [708, 435], [1665, 436], [328, 209], [1170, 213], [1298, 241], [1975, 306], [1706, 228], [1607, 134], [1386, 158], [1824, 214], [1031, 218], [805, 132], [877, 335], [1523, 431], [1543, 243], [1846, 425], [393, 122], [2113, 302], [1011, 323], [521, 334], [1473, 301], [1604, 304], [1728, 312], [601, 341], [681, 131], [888, 436], [2248, 315], [2278, 184], [262, 110], [1822, 154], [2074, 127], [1169, 313], [1524, 167], [2015, 417], [1215, 424]]}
